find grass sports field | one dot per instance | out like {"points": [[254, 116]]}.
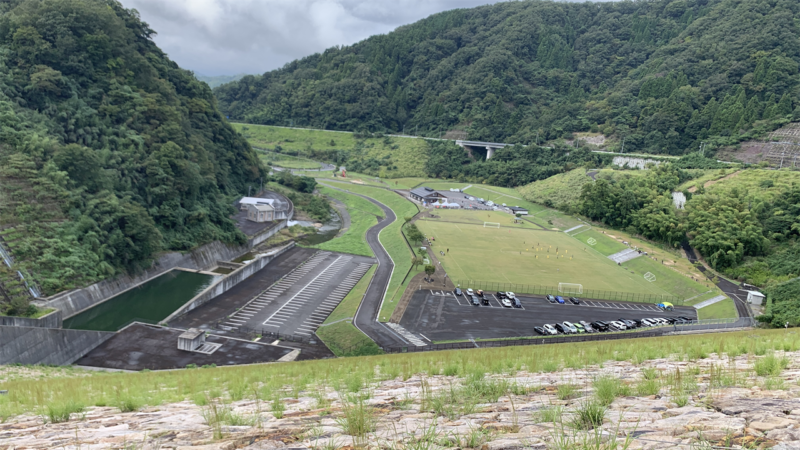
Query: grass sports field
{"points": [[527, 254]]}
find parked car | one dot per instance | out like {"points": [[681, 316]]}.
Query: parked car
{"points": [[479, 293], [688, 319], [516, 302], [617, 325], [600, 325], [561, 328], [550, 329], [474, 300], [506, 302], [569, 326], [540, 330], [551, 299], [511, 295], [629, 324], [500, 294], [485, 301], [458, 292], [574, 301], [648, 322], [579, 327], [470, 292], [587, 326], [560, 300]]}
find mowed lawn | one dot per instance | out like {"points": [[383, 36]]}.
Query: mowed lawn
{"points": [[528, 256], [479, 217]]}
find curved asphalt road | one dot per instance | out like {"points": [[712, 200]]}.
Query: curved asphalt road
{"points": [[366, 318]]}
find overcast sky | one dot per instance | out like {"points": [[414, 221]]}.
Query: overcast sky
{"points": [[227, 37]]}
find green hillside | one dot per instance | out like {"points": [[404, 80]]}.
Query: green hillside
{"points": [[109, 152], [383, 156], [663, 75]]}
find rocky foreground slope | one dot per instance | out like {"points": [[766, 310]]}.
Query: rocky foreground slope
{"points": [[743, 402]]}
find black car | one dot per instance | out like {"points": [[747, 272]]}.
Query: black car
{"points": [[539, 330], [574, 301], [562, 329], [551, 299], [516, 303], [474, 300], [687, 319], [628, 323], [457, 292], [500, 294], [672, 320], [600, 325], [485, 301]]}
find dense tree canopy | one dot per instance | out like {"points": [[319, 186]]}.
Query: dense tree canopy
{"points": [[109, 152], [662, 74]]}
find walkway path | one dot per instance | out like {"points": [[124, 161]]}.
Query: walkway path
{"points": [[730, 289], [366, 318]]}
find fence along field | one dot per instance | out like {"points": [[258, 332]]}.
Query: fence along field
{"points": [[526, 255]]}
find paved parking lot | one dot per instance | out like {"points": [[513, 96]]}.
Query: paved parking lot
{"points": [[440, 315], [302, 300]]}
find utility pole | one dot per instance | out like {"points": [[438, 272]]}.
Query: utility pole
{"points": [[623, 145], [260, 184], [248, 190]]}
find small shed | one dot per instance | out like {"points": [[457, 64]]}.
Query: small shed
{"points": [[247, 201], [260, 213], [755, 297], [191, 339]]}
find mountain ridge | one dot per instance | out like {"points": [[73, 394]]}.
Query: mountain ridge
{"points": [[664, 74]]}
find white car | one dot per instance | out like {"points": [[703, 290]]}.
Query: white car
{"points": [[506, 302], [549, 329], [618, 325], [569, 326], [648, 322], [470, 292], [510, 295]]}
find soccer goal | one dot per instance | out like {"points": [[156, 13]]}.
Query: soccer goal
{"points": [[491, 225], [570, 288]]}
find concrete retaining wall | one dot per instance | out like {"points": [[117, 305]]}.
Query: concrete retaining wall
{"points": [[226, 283], [33, 345], [52, 320], [205, 257]]}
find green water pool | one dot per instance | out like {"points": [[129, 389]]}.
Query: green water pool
{"points": [[150, 302]]}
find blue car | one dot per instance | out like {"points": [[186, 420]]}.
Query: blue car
{"points": [[560, 300]]}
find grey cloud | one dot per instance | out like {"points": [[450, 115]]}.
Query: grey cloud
{"points": [[216, 37]]}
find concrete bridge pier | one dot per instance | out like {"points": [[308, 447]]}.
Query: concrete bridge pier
{"points": [[489, 146]]}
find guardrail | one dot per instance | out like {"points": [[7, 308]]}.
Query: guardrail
{"points": [[698, 325], [592, 294]]}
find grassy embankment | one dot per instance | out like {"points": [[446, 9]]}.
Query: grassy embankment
{"points": [[408, 155], [286, 161], [75, 390], [363, 215], [338, 331]]}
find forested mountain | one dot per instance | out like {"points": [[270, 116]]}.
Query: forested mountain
{"points": [[662, 74], [109, 152]]}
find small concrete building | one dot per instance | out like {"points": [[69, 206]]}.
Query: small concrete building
{"points": [[246, 201], [518, 210], [755, 297], [260, 213], [191, 339]]}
